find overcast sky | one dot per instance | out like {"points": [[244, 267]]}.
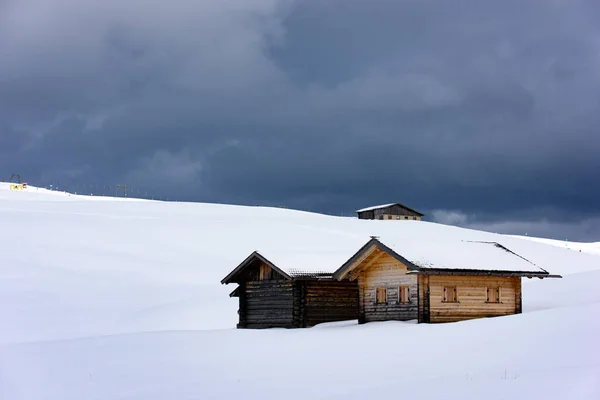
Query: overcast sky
{"points": [[477, 113]]}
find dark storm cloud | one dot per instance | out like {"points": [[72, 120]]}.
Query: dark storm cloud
{"points": [[492, 108]]}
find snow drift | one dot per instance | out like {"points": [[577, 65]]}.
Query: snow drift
{"points": [[120, 299]]}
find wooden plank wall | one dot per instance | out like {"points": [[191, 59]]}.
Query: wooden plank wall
{"points": [[267, 304], [423, 298], [519, 297], [295, 304], [261, 271], [366, 215], [242, 305], [395, 210], [472, 296], [328, 301], [389, 273]]}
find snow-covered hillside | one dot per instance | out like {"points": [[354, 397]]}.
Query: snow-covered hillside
{"points": [[120, 299], [593, 248]]}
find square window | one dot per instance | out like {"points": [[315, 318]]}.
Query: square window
{"points": [[493, 295], [381, 296], [450, 294]]}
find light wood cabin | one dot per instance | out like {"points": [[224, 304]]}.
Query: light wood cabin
{"points": [[271, 298], [392, 288]]}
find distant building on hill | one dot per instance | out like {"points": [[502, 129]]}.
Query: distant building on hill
{"points": [[390, 211]]}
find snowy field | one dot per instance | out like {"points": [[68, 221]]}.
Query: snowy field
{"points": [[106, 298], [593, 248]]}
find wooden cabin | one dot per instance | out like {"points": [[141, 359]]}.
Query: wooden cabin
{"points": [[435, 282], [392, 211], [272, 297]]}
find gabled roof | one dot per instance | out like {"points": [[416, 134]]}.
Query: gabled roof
{"points": [[288, 271], [424, 248], [255, 256], [388, 205], [448, 256]]}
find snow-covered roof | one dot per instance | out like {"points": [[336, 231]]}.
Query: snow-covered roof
{"points": [[376, 207], [457, 254], [300, 263], [323, 258]]}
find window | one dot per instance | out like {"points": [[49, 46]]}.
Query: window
{"points": [[397, 217], [450, 294], [403, 295], [415, 218], [381, 296], [493, 295], [405, 217]]}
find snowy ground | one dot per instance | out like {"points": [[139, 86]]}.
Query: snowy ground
{"points": [[120, 299], [593, 248]]}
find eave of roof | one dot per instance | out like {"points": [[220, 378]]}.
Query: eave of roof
{"points": [[475, 272]]}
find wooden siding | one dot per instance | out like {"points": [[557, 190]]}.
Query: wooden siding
{"points": [[394, 210], [471, 294], [518, 297], [261, 272], [267, 304], [296, 304], [423, 287], [366, 215], [399, 217], [328, 301], [386, 272]]}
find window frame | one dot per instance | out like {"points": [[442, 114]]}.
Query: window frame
{"points": [[445, 294], [498, 290], [385, 294], [400, 294]]}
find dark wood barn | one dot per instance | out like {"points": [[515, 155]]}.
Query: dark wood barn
{"points": [[394, 211], [270, 297]]}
